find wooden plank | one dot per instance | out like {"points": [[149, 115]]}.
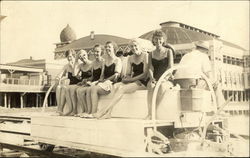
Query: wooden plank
{"points": [[76, 122], [15, 127], [87, 147], [11, 138], [112, 133], [116, 140]]}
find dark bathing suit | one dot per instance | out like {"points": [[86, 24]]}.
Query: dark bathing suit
{"points": [[72, 79], [160, 66], [137, 70], [96, 74], [109, 70], [86, 74]]}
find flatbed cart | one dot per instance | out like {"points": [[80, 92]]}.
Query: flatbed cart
{"points": [[130, 137]]}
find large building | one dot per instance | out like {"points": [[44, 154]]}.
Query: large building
{"points": [[230, 62]]}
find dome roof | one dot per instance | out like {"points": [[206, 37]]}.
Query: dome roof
{"points": [[67, 34], [179, 33]]}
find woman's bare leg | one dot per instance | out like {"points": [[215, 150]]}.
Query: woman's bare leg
{"points": [[68, 108], [81, 98], [62, 100], [95, 92], [73, 96], [149, 99], [122, 89], [58, 98], [63, 97], [88, 100]]}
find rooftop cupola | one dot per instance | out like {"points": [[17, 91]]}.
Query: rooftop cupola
{"points": [[67, 34]]}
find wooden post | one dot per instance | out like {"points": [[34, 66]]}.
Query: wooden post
{"points": [[50, 99], [21, 100], [8, 100], [236, 96], [37, 100], [241, 96], [5, 100], [1, 150]]}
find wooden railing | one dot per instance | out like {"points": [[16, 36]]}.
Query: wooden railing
{"points": [[16, 81]]}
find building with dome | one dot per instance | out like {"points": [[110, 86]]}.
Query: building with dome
{"points": [[69, 41]]}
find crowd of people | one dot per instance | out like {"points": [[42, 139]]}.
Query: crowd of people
{"points": [[83, 81]]}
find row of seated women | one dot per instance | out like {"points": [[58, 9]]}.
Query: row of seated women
{"points": [[88, 79]]}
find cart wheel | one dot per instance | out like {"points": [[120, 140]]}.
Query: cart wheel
{"points": [[46, 147]]}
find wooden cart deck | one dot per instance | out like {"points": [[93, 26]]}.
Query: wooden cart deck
{"points": [[115, 136]]}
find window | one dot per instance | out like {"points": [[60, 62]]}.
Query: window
{"points": [[225, 94], [224, 59], [247, 95], [229, 60], [239, 96], [233, 61], [238, 61], [244, 96]]}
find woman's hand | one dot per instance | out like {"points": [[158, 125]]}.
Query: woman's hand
{"points": [[126, 79], [101, 80], [152, 83], [57, 81], [89, 83]]}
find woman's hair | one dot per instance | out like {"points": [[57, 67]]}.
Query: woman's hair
{"points": [[159, 33], [115, 46], [99, 46], [82, 51], [134, 40], [71, 51]]}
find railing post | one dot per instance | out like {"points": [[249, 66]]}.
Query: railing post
{"points": [[9, 101], [37, 100], [5, 100], [21, 100]]}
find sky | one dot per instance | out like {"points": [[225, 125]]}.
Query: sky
{"points": [[32, 27]]}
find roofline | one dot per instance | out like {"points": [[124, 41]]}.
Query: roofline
{"points": [[20, 68], [231, 44], [87, 48], [195, 28], [32, 62]]}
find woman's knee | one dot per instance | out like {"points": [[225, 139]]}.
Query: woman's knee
{"points": [[94, 90], [79, 92]]}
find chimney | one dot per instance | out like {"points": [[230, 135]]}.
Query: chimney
{"points": [[92, 35], [31, 58]]}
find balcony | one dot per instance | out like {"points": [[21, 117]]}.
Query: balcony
{"points": [[21, 85]]}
